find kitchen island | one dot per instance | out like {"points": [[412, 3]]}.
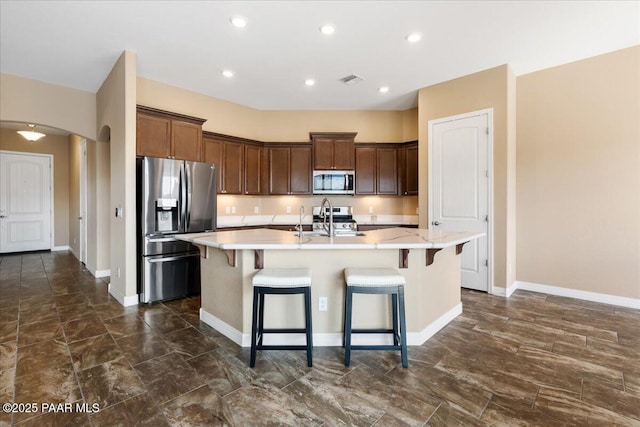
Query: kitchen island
{"points": [[429, 259]]}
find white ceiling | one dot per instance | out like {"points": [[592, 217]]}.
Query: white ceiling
{"points": [[188, 43]]}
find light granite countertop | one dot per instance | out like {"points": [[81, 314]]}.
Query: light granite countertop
{"points": [[389, 238]]}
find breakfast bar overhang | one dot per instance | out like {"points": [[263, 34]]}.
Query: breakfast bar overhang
{"points": [[429, 260]]}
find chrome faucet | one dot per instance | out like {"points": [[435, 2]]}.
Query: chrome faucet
{"points": [[323, 213], [299, 226]]}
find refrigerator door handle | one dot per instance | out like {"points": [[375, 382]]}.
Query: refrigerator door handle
{"points": [[171, 258], [182, 226], [162, 239], [188, 191]]}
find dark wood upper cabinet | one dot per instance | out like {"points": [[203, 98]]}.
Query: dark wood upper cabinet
{"points": [[279, 158], [410, 169], [300, 170], [333, 150], [228, 157], [376, 170], [153, 136], [387, 170], [290, 170], [165, 134], [186, 140], [253, 170], [233, 168], [212, 153], [365, 170]]}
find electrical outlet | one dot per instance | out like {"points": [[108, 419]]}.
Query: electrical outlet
{"points": [[227, 209], [288, 209], [233, 209], [256, 209], [322, 303], [118, 272], [370, 209], [417, 211]]}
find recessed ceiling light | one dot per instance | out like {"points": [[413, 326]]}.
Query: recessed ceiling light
{"points": [[327, 29], [413, 37], [383, 89], [227, 73], [309, 82], [238, 21]]}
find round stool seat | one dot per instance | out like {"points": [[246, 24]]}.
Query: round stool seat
{"points": [[283, 277], [373, 277]]}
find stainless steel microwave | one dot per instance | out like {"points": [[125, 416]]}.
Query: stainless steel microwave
{"points": [[333, 182]]}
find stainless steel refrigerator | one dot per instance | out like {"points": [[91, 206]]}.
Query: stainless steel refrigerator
{"points": [[174, 197]]}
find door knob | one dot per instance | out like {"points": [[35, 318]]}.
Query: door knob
{"points": [[3, 216], [79, 217], [436, 223]]}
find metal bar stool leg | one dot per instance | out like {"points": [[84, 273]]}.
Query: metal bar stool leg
{"points": [[394, 311], [403, 329], [261, 298], [347, 328], [308, 326], [254, 328]]}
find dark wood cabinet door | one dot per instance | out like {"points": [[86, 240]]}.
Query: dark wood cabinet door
{"points": [[343, 154], [300, 172], [411, 171], [153, 136], [365, 170], [323, 154], [387, 170], [233, 169], [186, 141], [212, 153], [279, 170], [252, 170]]}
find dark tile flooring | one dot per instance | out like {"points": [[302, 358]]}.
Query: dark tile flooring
{"points": [[532, 359]]}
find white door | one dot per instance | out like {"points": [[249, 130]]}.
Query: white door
{"points": [[459, 187], [25, 202], [82, 219]]}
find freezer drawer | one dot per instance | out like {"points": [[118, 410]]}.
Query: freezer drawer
{"points": [[166, 277]]}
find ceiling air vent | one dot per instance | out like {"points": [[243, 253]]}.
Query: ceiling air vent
{"points": [[351, 79]]}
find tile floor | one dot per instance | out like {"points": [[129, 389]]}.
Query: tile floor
{"points": [[532, 359]]}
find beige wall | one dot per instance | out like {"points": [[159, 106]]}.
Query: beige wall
{"points": [[32, 101], [222, 116], [58, 146], [116, 113], [283, 126], [74, 193], [294, 126], [578, 175], [487, 89]]}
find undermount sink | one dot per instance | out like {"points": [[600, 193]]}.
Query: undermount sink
{"points": [[323, 234]]}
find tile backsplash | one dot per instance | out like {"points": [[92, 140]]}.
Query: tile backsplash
{"points": [[290, 205]]}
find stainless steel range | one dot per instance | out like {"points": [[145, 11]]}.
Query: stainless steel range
{"points": [[343, 222]]}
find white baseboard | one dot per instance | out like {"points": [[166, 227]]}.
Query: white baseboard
{"points": [[329, 339], [419, 338], [102, 273], [127, 300], [224, 328], [575, 293], [98, 273], [60, 248], [74, 253]]}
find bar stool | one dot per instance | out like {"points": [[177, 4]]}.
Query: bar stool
{"points": [[376, 281], [280, 281]]}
